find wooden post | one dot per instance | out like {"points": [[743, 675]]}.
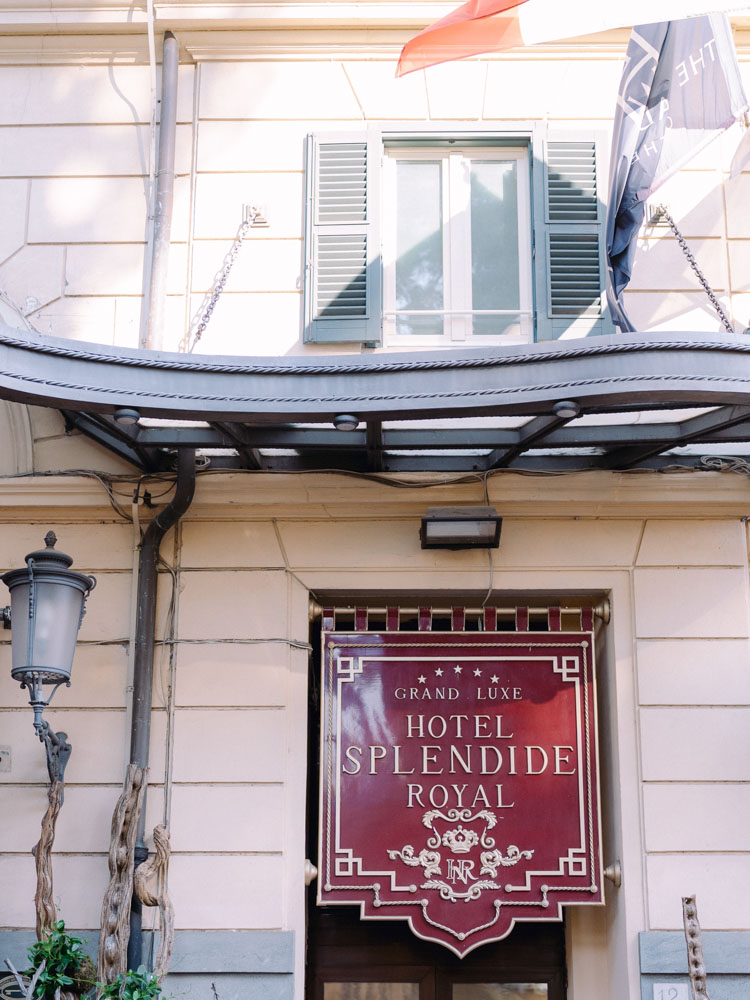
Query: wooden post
{"points": [[113, 941], [42, 851]]}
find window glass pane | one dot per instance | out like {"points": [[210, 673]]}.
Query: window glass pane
{"points": [[494, 243], [371, 991], [499, 991], [419, 245]]}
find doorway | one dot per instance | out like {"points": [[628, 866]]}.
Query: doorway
{"points": [[349, 958], [353, 959]]}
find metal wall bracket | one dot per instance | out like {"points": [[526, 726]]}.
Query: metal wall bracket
{"points": [[255, 215], [311, 872], [58, 751], [656, 215], [613, 872]]}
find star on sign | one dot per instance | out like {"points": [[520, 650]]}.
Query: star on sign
{"points": [[495, 679], [457, 670], [477, 672], [439, 672], [422, 679]]}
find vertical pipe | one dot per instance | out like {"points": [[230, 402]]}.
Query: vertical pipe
{"points": [[164, 195], [151, 189], [143, 658]]}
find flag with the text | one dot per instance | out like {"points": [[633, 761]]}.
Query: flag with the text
{"points": [[680, 88]]}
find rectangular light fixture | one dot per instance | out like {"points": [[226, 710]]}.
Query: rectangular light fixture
{"points": [[461, 528]]}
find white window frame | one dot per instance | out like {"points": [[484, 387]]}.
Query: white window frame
{"points": [[456, 245]]}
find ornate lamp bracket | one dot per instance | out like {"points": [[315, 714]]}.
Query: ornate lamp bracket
{"points": [[56, 745], [57, 749]]}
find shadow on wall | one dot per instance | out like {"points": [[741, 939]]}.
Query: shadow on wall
{"points": [[705, 210]]}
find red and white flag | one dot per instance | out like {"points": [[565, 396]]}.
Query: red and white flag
{"points": [[494, 25]]}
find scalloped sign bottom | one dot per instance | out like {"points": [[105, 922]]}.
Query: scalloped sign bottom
{"points": [[459, 779]]}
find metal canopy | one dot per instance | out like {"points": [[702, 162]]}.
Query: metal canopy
{"points": [[645, 401]]}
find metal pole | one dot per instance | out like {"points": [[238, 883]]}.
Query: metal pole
{"points": [[154, 334]]}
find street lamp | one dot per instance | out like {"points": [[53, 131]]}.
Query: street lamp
{"points": [[47, 605]]}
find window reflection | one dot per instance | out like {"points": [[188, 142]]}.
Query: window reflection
{"points": [[419, 245], [371, 991], [494, 239], [500, 991]]}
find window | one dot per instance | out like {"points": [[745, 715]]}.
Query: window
{"points": [[456, 246], [468, 238]]}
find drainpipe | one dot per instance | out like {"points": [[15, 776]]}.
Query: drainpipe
{"points": [[157, 294], [143, 658]]}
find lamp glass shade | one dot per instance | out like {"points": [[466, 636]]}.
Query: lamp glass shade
{"points": [[466, 531], [50, 643], [46, 608]]}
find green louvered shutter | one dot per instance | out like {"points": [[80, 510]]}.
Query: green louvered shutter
{"points": [[569, 214], [342, 243]]}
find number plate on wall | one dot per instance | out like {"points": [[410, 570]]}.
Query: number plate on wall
{"points": [[459, 784]]}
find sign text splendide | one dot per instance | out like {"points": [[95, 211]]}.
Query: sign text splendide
{"points": [[425, 759]]}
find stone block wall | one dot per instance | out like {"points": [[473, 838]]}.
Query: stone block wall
{"points": [[74, 165], [229, 731]]}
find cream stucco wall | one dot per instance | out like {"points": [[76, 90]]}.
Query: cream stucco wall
{"points": [[74, 162], [230, 694]]}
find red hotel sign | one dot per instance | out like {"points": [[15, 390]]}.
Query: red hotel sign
{"points": [[459, 785]]}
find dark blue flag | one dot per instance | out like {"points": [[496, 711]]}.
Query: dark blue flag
{"points": [[680, 88]]}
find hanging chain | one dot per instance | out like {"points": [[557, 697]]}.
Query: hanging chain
{"points": [[231, 257], [662, 210], [252, 214]]}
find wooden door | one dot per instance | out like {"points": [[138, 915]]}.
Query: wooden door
{"points": [[352, 959]]}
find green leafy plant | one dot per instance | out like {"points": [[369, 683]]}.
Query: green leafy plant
{"points": [[134, 985], [66, 966]]}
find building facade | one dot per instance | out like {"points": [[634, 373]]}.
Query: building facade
{"points": [[276, 102]]}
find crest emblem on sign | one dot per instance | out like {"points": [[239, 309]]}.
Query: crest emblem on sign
{"points": [[446, 872]]}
